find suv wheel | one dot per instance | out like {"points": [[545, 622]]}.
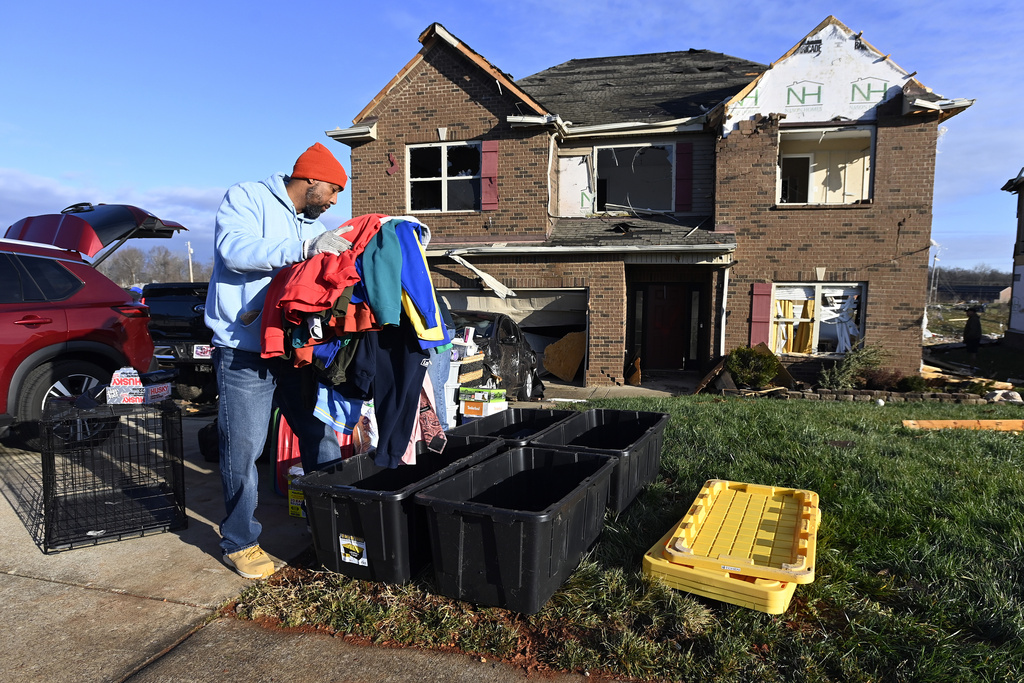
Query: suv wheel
{"points": [[63, 379]]}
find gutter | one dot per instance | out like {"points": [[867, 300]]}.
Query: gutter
{"points": [[355, 134], [942, 105], [946, 108]]}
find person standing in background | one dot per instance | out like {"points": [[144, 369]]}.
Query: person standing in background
{"points": [[972, 336]]}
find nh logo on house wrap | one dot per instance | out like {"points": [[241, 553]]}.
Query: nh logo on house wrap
{"points": [[868, 90], [750, 100], [804, 94]]}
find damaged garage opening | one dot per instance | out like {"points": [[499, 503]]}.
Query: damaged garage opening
{"points": [[546, 316]]}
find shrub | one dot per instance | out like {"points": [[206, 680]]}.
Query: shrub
{"points": [[846, 373], [914, 383], [751, 368], [882, 379]]}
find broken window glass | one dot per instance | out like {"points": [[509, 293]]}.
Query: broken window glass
{"points": [[635, 178]]}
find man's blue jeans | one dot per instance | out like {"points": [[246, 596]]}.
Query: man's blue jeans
{"points": [[248, 385]]}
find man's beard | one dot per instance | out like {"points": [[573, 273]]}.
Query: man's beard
{"points": [[314, 204]]}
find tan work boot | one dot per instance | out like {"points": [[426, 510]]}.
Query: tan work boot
{"points": [[252, 563]]}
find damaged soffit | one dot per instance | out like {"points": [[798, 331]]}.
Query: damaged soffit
{"points": [[612, 234]]}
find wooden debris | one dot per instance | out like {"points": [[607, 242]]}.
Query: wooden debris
{"points": [[782, 378], [996, 425], [715, 371], [563, 357]]}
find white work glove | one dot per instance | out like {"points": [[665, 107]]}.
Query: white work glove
{"points": [[329, 241]]}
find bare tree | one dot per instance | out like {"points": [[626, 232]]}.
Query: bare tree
{"points": [[126, 267], [163, 265]]}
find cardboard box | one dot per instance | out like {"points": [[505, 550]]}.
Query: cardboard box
{"points": [[126, 387], [482, 408], [480, 394]]}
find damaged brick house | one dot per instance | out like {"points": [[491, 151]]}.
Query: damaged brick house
{"points": [[1015, 330], [674, 205]]}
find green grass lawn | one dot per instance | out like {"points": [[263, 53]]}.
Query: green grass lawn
{"points": [[948, 320], [920, 558]]}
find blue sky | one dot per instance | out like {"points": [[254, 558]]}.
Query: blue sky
{"points": [[165, 105]]}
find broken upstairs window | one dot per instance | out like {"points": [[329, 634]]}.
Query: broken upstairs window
{"points": [[635, 178], [830, 166], [444, 177]]}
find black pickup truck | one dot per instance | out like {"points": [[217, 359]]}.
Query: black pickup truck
{"points": [[181, 338]]}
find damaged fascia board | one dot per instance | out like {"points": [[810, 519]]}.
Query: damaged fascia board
{"points": [[566, 130], [948, 107], [506, 249], [503, 291], [494, 283]]}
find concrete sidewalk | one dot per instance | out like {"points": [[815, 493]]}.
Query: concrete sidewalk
{"points": [[145, 608]]}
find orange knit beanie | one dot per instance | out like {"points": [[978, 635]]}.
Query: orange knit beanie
{"points": [[317, 163]]}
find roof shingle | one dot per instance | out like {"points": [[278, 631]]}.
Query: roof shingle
{"points": [[645, 88]]}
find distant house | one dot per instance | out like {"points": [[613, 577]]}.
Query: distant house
{"points": [[674, 205], [1015, 332], [985, 294]]}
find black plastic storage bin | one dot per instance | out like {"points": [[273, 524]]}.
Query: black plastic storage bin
{"points": [[363, 518], [509, 531], [633, 438], [515, 425]]}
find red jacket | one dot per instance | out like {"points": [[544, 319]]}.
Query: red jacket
{"points": [[312, 285]]}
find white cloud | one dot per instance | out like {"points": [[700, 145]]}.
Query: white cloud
{"points": [[23, 194]]}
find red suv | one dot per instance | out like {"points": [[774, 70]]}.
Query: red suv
{"points": [[65, 326]]}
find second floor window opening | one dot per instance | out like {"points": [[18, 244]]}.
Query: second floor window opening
{"points": [[635, 178], [825, 166], [444, 177]]}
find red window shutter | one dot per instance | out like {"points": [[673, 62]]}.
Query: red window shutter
{"points": [[684, 176], [489, 175], [761, 314]]}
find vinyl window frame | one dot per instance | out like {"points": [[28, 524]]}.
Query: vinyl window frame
{"points": [[444, 178], [832, 307], [670, 180]]}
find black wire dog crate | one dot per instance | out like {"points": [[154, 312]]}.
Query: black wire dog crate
{"points": [[107, 473]]}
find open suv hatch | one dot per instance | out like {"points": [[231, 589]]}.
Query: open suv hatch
{"points": [[64, 326]]}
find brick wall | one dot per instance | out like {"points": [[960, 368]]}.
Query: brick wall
{"points": [[447, 91], [884, 244]]}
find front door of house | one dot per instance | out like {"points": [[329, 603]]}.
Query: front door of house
{"points": [[669, 325]]}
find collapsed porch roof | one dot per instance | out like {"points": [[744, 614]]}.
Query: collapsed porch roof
{"points": [[630, 236]]}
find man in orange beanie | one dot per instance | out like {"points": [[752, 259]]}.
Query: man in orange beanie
{"points": [[261, 228]]}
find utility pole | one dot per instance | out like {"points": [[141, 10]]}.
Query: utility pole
{"points": [[933, 287], [189, 245]]}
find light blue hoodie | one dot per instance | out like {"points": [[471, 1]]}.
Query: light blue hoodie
{"points": [[258, 232]]}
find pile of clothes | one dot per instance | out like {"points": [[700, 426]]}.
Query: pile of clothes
{"points": [[368, 323]]}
